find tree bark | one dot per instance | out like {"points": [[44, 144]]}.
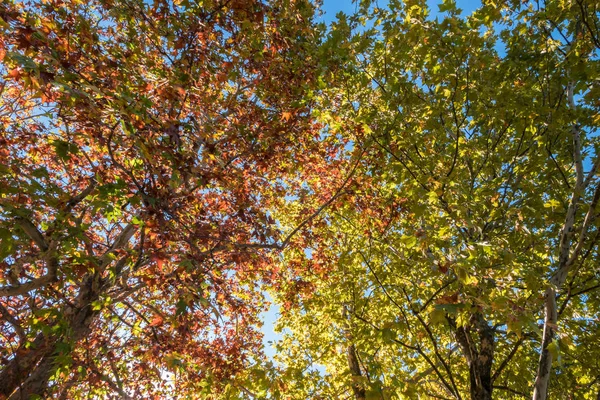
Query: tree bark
{"points": [[480, 360], [15, 372], [566, 257], [28, 375], [28, 372], [566, 260], [353, 364], [540, 391]]}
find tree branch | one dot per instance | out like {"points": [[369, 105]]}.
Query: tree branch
{"points": [[32, 231], [507, 359]]}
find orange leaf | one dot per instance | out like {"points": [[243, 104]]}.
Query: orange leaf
{"points": [[285, 116], [157, 321], [15, 73]]}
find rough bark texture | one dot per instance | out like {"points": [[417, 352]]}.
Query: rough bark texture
{"points": [[353, 362], [29, 374], [15, 371], [359, 391], [480, 360]]}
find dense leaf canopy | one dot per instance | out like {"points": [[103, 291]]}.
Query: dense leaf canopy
{"points": [[415, 189]]}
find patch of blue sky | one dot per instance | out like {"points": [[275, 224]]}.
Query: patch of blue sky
{"points": [[331, 8], [269, 319]]}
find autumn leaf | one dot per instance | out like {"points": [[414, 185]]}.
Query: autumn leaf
{"points": [[286, 115], [156, 321]]}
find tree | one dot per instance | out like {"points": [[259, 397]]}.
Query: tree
{"points": [[463, 261], [419, 195], [143, 146]]}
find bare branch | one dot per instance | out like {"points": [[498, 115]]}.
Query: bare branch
{"points": [[30, 229], [37, 283], [507, 359], [13, 321], [119, 243], [78, 198]]}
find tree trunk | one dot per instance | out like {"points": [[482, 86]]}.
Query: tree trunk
{"points": [[353, 364], [29, 372], [540, 390], [15, 372], [567, 256], [28, 375], [479, 360]]}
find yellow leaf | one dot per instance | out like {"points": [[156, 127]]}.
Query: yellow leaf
{"points": [[286, 115]]}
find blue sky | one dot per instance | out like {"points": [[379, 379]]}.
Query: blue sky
{"points": [[332, 7]]}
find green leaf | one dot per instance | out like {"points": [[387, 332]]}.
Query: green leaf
{"points": [[388, 335], [181, 307], [64, 149], [437, 316]]}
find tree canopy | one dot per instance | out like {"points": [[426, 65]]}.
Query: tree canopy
{"points": [[415, 189]]}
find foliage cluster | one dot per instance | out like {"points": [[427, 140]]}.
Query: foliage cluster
{"points": [[416, 190]]}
